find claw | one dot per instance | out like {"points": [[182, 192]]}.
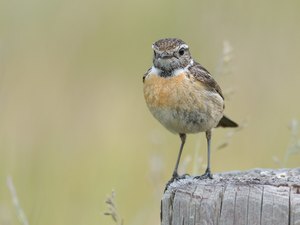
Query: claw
{"points": [[206, 175], [174, 178]]}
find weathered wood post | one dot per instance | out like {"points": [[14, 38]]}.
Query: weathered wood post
{"points": [[255, 197]]}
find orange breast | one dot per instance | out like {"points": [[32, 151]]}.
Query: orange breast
{"points": [[163, 92], [182, 105]]}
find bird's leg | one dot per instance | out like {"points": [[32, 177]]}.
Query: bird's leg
{"points": [[207, 173], [175, 172], [175, 175]]}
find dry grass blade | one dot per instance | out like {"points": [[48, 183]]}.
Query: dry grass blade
{"points": [[20, 213], [224, 66], [112, 209], [293, 147]]}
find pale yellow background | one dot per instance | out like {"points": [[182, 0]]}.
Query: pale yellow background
{"points": [[73, 122]]}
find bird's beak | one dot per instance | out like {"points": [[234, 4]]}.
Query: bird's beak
{"points": [[165, 55]]}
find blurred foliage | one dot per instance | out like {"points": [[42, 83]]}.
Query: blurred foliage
{"points": [[73, 120], [112, 209], [293, 147]]}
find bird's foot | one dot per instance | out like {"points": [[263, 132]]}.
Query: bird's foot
{"points": [[175, 177], [206, 175]]}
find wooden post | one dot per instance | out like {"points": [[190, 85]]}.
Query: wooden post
{"points": [[255, 197]]}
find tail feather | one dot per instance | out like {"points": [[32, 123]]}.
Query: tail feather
{"points": [[226, 122]]}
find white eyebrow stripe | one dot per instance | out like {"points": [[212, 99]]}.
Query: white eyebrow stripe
{"points": [[155, 49], [184, 46]]}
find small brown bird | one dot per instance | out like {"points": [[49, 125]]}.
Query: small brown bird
{"points": [[183, 96]]}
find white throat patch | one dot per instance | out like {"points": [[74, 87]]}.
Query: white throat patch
{"points": [[185, 69], [176, 72]]}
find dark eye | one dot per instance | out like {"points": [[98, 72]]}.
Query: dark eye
{"points": [[181, 51]]}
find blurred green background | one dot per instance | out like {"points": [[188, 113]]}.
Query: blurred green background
{"points": [[73, 122]]}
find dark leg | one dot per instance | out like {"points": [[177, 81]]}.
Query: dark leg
{"points": [[175, 172], [207, 173]]}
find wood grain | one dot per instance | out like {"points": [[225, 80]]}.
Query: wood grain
{"points": [[254, 197]]}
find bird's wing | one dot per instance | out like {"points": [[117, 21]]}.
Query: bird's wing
{"points": [[202, 75], [146, 74]]}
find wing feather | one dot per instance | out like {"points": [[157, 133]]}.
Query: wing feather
{"points": [[202, 75], [144, 76]]}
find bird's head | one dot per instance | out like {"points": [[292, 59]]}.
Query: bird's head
{"points": [[171, 54]]}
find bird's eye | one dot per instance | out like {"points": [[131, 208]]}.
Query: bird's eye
{"points": [[181, 51]]}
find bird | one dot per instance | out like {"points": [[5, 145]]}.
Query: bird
{"points": [[183, 96]]}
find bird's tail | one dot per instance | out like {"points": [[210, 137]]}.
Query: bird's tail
{"points": [[226, 122]]}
